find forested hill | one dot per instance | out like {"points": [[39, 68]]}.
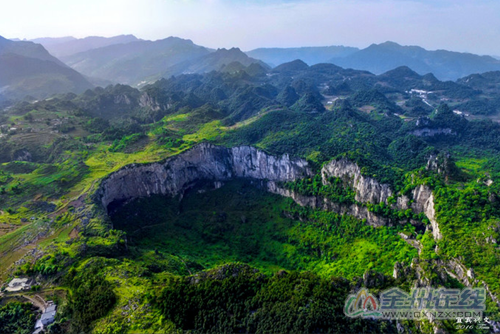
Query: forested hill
{"points": [[294, 108], [247, 255]]}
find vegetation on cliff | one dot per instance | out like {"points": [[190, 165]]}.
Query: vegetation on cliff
{"points": [[130, 272]]}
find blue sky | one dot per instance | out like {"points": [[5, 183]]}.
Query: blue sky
{"points": [[460, 25]]}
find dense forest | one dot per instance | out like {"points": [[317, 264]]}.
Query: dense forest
{"points": [[238, 259]]}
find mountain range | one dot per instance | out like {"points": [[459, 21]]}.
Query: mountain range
{"points": [[31, 69], [380, 58], [134, 62], [231, 60], [66, 46], [231, 197], [26, 68], [445, 65], [310, 55]]}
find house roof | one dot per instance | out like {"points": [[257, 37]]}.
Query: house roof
{"points": [[18, 281], [48, 316], [50, 308]]}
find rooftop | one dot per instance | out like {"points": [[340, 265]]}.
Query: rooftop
{"points": [[18, 284]]}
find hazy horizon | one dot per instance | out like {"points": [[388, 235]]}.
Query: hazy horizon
{"points": [[451, 25]]}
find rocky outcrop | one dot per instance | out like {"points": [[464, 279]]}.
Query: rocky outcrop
{"points": [[322, 203], [147, 101], [369, 190], [122, 99], [203, 162], [423, 201], [366, 188], [427, 132], [466, 276], [22, 155]]}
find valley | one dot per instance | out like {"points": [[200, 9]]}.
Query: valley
{"points": [[212, 192]]}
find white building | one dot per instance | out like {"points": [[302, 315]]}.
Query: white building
{"points": [[48, 317], [19, 284]]}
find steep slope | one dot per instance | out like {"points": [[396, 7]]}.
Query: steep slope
{"points": [[67, 46], [445, 65], [27, 68], [134, 62], [310, 55]]}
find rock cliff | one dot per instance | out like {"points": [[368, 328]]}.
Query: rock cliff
{"points": [[423, 201], [203, 162], [175, 175], [355, 210], [367, 189]]}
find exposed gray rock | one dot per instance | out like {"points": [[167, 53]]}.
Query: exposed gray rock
{"points": [[423, 201], [22, 155], [203, 162], [427, 132], [147, 101], [122, 99], [457, 270], [355, 210], [403, 202], [441, 163], [175, 175], [367, 189], [401, 270]]}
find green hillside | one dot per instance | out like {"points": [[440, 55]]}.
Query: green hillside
{"points": [[233, 257]]}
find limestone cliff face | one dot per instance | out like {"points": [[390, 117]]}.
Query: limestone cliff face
{"points": [[175, 175], [367, 189], [147, 101], [355, 210], [423, 201], [203, 162]]}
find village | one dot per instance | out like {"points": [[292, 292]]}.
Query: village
{"points": [[24, 290]]}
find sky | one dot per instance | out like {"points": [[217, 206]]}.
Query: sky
{"points": [[458, 25]]}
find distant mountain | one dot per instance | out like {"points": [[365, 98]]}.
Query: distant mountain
{"points": [[26, 49], [310, 55], [67, 46], [27, 68], [489, 81], [489, 101], [225, 60], [445, 65], [291, 67], [45, 41], [135, 62], [404, 78]]}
